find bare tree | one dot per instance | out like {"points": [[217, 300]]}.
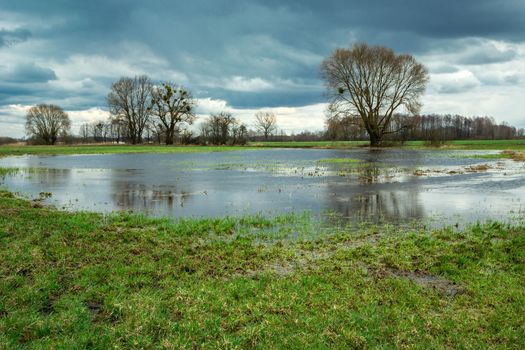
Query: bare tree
{"points": [[266, 123], [46, 123], [117, 127], [173, 106], [97, 130], [130, 98], [239, 133], [84, 132], [217, 129], [373, 82]]}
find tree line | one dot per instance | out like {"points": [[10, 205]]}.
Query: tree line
{"points": [[374, 94], [143, 111], [428, 127]]}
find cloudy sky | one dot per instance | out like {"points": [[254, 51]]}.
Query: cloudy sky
{"points": [[247, 55]]}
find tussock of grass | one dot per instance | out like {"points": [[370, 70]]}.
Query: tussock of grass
{"points": [[8, 171], [83, 280], [515, 155]]}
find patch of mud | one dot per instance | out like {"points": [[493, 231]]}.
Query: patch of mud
{"points": [[426, 280], [478, 168], [94, 306]]}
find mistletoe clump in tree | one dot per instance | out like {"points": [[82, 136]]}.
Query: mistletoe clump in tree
{"points": [[174, 107]]}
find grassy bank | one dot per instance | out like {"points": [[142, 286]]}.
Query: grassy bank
{"points": [[110, 149], [83, 280], [9, 150]]}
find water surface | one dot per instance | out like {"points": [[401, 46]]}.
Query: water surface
{"points": [[391, 185]]}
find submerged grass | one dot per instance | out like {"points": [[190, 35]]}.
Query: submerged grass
{"points": [[339, 160], [84, 280]]}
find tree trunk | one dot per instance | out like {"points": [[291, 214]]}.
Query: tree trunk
{"points": [[169, 137], [375, 139]]}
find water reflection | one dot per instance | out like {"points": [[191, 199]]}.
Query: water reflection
{"points": [[380, 186]]}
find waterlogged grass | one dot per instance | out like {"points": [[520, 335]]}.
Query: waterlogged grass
{"points": [[500, 155], [507, 154], [8, 171], [339, 160], [83, 280]]}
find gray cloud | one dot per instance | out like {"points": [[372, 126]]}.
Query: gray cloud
{"points": [[10, 37], [28, 73], [251, 53]]}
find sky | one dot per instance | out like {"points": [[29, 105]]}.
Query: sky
{"points": [[250, 55]]}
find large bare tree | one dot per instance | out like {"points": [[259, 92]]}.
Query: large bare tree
{"points": [[372, 82], [172, 105], [266, 123], [46, 123], [130, 99]]}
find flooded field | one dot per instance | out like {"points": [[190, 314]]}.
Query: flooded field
{"points": [[438, 187]]}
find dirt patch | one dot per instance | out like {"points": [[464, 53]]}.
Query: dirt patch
{"points": [[477, 168], [426, 280], [419, 172], [94, 306]]}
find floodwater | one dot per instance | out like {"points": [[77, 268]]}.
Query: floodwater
{"points": [[391, 185]]}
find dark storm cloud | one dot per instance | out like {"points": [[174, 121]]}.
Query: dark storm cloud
{"points": [[10, 37], [28, 73], [271, 49]]}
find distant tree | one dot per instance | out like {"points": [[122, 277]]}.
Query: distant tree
{"points": [[7, 140], [372, 82], [97, 130], [117, 127], [85, 132], [340, 127], [239, 133], [266, 123], [173, 106], [46, 123], [158, 131], [220, 124], [186, 136], [130, 99], [222, 128]]}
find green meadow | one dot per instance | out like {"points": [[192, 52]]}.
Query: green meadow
{"points": [[9, 150], [78, 280]]}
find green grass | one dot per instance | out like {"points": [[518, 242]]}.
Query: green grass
{"points": [[7, 171], [88, 281], [487, 144], [10, 150], [113, 149]]}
